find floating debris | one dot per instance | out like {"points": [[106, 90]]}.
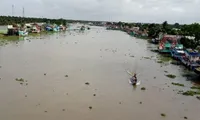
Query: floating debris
{"points": [[147, 57], [163, 115], [66, 76], [132, 56], [178, 84], [120, 103], [45, 74], [159, 61], [166, 71], [171, 76], [87, 83], [140, 102], [45, 111], [180, 92], [20, 80], [185, 118], [94, 94], [63, 109], [90, 107], [191, 93], [194, 87], [143, 88], [154, 77]]}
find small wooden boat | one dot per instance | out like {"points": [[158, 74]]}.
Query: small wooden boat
{"points": [[191, 59], [132, 82], [177, 53]]}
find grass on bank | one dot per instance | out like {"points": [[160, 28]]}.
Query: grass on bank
{"points": [[178, 84], [171, 76]]}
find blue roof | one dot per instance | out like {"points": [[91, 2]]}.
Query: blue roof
{"points": [[176, 51], [192, 52]]}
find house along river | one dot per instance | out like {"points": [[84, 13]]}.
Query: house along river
{"points": [[82, 76]]}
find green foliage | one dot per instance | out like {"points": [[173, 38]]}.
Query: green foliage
{"points": [[171, 76], [165, 26], [5, 20], [178, 84], [194, 87], [20, 80], [154, 30], [143, 88], [191, 30], [191, 93], [176, 25], [163, 114]]}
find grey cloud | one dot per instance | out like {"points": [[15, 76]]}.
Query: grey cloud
{"points": [[183, 11]]}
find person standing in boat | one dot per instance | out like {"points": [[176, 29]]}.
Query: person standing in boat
{"points": [[134, 79]]}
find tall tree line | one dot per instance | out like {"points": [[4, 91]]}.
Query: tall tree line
{"points": [[6, 20]]}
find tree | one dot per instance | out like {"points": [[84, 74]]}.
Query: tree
{"points": [[165, 26], [5, 20], [154, 30], [176, 25]]}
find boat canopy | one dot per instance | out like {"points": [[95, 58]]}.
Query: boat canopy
{"points": [[193, 53], [180, 51], [179, 46], [167, 45]]}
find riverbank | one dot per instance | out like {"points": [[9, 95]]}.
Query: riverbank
{"points": [[5, 39]]}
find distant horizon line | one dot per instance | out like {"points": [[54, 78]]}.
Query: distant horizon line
{"points": [[84, 20]]}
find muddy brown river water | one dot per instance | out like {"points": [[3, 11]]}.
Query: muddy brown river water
{"points": [[101, 58]]}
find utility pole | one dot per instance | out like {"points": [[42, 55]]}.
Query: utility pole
{"points": [[12, 10], [23, 12]]}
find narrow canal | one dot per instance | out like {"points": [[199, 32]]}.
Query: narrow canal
{"points": [[55, 69]]}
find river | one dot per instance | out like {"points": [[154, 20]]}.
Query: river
{"points": [[56, 67]]}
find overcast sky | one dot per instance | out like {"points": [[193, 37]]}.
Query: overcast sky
{"points": [[182, 11]]}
